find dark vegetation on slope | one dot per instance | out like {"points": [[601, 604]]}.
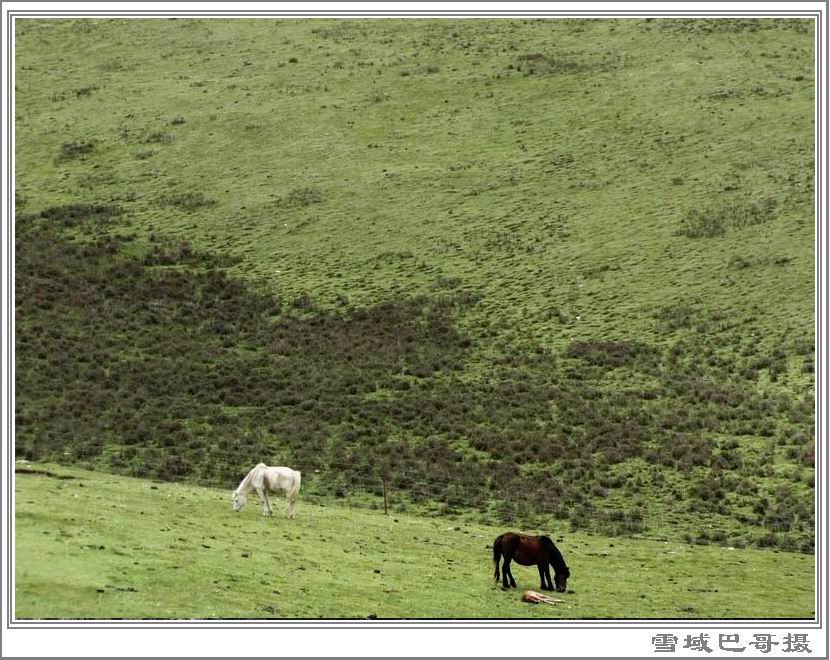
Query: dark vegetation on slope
{"points": [[141, 356]]}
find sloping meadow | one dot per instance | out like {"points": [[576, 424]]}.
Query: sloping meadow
{"points": [[529, 271], [107, 547]]}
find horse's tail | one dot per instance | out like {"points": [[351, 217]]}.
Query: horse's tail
{"points": [[497, 555], [291, 494], [295, 489]]}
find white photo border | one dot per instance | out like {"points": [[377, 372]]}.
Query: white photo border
{"points": [[395, 638]]}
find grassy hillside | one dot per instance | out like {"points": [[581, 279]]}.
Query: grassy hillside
{"points": [[99, 546], [536, 270], [546, 164]]}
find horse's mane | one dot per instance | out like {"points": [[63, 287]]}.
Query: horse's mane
{"points": [[245, 484], [556, 557]]}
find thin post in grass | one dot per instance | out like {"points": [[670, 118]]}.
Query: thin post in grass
{"points": [[384, 476]]}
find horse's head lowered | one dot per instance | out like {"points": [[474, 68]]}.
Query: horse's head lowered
{"points": [[560, 578], [561, 571], [238, 500]]}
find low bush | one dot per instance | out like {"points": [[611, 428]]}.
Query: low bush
{"points": [[73, 150], [301, 197], [714, 221], [188, 201]]}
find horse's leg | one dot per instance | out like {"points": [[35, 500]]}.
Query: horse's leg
{"points": [[541, 568], [266, 505], [508, 574], [546, 568], [292, 505], [505, 567]]}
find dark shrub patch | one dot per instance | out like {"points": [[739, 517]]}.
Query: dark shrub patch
{"points": [[304, 378], [564, 62], [674, 316], [615, 354], [187, 201], [70, 215], [72, 150], [85, 91], [300, 197], [702, 224], [714, 221], [158, 137]]}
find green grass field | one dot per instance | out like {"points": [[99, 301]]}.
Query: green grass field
{"points": [[544, 164], [543, 274], [91, 545]]}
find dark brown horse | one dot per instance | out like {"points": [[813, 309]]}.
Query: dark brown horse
{"points": [[527, 551]]}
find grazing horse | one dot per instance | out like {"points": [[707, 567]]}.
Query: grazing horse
{"points": [[527, 551], [264, 479]]}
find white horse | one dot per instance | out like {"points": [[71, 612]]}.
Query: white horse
{"points": [[264, 479]]}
